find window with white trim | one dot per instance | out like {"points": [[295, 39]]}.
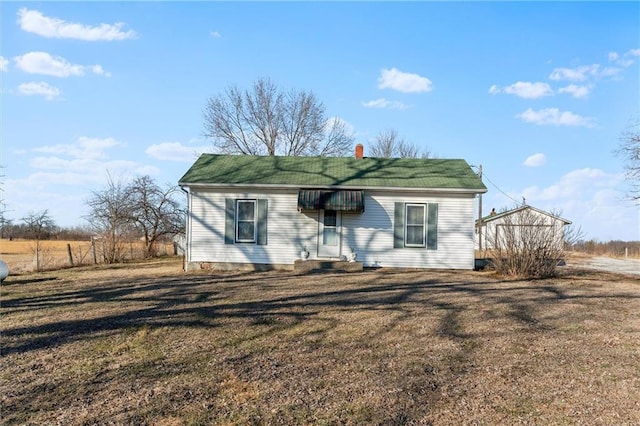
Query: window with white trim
{"points": [[246, 221], [415, 225], [414, 234]]}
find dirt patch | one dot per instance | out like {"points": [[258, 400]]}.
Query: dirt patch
{"points": [[153, 345]]}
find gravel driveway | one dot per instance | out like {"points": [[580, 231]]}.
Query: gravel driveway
{"points": [[621, 266]]}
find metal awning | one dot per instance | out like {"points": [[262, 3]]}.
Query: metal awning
{"points": [[342, 200]]}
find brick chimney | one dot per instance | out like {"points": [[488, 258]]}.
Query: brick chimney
{"points": [[359, 151]]}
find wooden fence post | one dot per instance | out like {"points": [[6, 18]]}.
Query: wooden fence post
{"points": [[93, 248], [70, 254], [37, 255]]}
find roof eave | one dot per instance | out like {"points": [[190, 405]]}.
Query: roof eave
{"points": [[347, 187]]}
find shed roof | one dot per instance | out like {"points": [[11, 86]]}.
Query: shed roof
{"points": [[521, 208], [331, 172]]}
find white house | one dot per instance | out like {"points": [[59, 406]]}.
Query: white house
{"points": [[261, 212], [516, 224]]}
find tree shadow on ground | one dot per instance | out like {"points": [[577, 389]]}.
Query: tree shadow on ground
{"points": [[207, 300]]}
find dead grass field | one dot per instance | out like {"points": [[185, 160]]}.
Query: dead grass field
{"points": [[152, 345], [20, 254]]}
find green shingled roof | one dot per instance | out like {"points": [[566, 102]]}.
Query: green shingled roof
{"points": [[222, 170]]}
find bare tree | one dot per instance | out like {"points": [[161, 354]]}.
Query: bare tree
{"points": [[267, 121], [572, 236], [140, 209], [4, 222], [388, 144], [302, 123], [154, 211], [110, 216], [39, 226], [338, 139], [629, 151]]}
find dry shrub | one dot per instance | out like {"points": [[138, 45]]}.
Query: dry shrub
{"points": [[527, 245]]}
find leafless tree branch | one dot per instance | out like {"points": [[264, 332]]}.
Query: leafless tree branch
{"points": [[267, 121]]}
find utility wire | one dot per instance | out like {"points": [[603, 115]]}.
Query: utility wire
{"points": [[484, 176]]}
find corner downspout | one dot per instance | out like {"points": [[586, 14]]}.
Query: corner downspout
{"points": [[187, 248]]}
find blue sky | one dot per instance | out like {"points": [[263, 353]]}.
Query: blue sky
{"points": [[538, 93]]}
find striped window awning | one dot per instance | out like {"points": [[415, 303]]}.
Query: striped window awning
{"points": [[341, 200]]}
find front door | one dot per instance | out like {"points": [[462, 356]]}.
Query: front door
{"points": [[329, 233]]}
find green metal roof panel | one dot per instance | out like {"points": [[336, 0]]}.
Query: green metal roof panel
{"points": [[333, 171]]}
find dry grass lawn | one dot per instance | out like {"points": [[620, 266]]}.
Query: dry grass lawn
{"points": [[151, 345]]}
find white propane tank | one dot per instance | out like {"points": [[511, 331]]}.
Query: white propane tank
{"points": [[4, 270]]}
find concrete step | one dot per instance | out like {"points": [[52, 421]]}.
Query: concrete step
{"points": [[315, 265]]}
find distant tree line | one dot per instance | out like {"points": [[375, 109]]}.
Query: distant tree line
{"points": [[614, 248], [10, 230]]}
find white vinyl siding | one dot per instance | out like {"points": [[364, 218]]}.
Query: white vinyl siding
{"points": [[288, 230], [370, 233]]}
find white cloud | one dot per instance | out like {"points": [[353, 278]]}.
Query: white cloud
{"points": [[97, 69], [60, 177], [576, 91], [215, 34], [35, 22], [39, 88], [403, 82], [48, 190], [175, 151], [384, 103], [535, 160], [92, 169], [524, 89], [555, 117], [56, 66], [609, 72], [575, 184], [583, 73], [4, 64], [580, 73], [591, 198], [626, 60], [84, 148]]}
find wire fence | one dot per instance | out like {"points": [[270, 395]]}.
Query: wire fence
{"points": [[22, 256]]}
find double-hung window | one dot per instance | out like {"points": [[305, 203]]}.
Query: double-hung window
{"points": [[246, 221], [414, 234], [416, 225]]}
